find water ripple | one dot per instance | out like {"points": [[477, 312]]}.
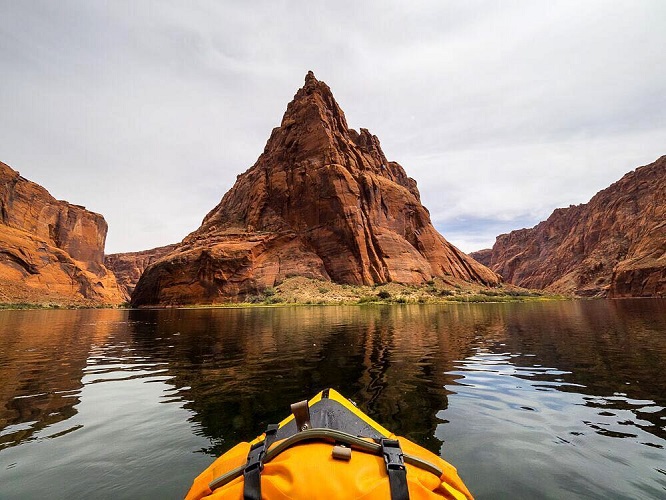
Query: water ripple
{"points": [[532, 403]]}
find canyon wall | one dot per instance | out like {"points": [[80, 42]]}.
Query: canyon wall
{"points": [[613, 246], [50, 250]]}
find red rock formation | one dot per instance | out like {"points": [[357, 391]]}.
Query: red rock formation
{"points": [[321, 201], [482, 256], [50, 250], [613, 246], [128, 267]]}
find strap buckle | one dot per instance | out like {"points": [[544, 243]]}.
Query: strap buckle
{"points": [[255, 464], [255, 457], [393, 455]]}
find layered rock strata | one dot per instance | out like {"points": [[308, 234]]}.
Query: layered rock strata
{"points": [[50, 250], [322, 201], [613, 246], [129, 266]]}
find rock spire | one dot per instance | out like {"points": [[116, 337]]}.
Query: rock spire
{"points": [[322, 201]]}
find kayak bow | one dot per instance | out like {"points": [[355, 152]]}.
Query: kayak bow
{"points": [[328, 448]]}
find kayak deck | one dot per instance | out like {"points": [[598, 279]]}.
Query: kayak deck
{"points": [[328, 448]]}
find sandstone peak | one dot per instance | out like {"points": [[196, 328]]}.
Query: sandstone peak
{"points": [[322, 201], [310, 77], [314, 113]]}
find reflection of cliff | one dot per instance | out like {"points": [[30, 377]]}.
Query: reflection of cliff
{"points": [[238, 369], [603, 343], [627, 343], [406, 352], [242, 363], [43, 361], [614, 349]]}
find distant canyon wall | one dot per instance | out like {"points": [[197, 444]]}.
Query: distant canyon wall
{"points": [[129, 266], [613, 246]]}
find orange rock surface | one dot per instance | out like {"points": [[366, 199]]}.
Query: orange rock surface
{"points": [[50, 250], [129, 266], [322, 201], [613, 246]]}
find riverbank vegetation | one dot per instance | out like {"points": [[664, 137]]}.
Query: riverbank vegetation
{"points": [[305, 291], [300, 290]]}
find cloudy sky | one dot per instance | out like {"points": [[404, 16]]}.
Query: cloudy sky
{"points": [[146, 111]]}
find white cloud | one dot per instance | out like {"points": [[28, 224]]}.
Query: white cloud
{"points": [[147, 111], [501, 188]]}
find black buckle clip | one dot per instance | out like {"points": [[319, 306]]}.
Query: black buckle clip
{"points": [[393, 455], [255, 457]]}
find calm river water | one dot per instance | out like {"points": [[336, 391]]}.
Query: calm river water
{"points": [[528, 400]]}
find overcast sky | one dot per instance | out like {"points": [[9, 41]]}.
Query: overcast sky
{"points": [[502, 111]]}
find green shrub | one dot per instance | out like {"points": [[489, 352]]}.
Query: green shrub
{"points": [[384, 294], [524, 293]]}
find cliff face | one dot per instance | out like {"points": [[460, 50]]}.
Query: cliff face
{"points": [[50, 250], [321, 201], [129, 266], [613, 246]]}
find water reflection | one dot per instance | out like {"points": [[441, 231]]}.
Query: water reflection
{"points": [[386, 359], [42, 359], [562, 398], [83, 415], [523, 431], [536, 397]]}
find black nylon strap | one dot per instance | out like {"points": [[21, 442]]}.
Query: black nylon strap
{"points": [[254, 466], [252, 473], [395, 467]]}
